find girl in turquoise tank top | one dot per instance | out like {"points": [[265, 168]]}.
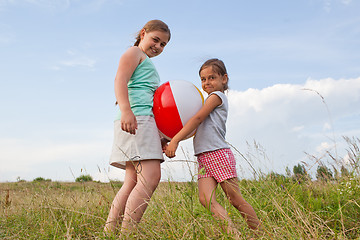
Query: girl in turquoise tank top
{"points": [[137, 145]]}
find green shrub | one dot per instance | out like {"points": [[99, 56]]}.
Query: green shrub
{"points": [[84, 178], [41, 179]]}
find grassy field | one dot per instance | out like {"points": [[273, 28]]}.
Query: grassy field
{"points": [[290, 207], [288, 210]]}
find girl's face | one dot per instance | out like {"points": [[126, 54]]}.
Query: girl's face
{"points": [[153, 43], [212, 81]]}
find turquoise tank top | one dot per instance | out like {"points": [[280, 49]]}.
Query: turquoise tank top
{"points": [[141, 87]]}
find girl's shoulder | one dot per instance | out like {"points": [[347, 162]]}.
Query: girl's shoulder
{"points": [[218, 95], [134, 49], [135, 52]]}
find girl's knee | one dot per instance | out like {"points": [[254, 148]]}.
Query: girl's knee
{"points": [[129, 183], [150, 181], [153, 179], [154, 182], [206, 200], [149, 173], [202, 200]]}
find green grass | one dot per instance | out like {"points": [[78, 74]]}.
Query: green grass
{"points": [[287, 209], [292, 207]]}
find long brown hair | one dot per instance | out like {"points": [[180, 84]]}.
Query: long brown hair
{"points": [[153, 25]]}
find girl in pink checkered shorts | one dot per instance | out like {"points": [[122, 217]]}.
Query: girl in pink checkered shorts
{"points": [[216, 161]]}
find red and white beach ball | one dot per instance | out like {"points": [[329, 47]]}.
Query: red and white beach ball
{"points": [[175, 102]]}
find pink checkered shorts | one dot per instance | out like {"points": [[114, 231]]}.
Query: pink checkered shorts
{"points": [[219, 164]]}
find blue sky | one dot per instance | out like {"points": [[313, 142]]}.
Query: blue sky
{"points": [[58, 60]]}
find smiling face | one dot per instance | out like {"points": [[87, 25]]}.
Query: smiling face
{"points": [[153, 43], [212, 81]]}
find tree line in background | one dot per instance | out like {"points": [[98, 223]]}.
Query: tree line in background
{"points": [[81, 178], [299, 173]]}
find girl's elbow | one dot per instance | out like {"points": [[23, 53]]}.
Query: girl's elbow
{"points": [[198, 120]]}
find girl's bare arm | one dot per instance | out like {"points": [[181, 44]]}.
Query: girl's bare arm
{"points": [[127, 65], [211, 103]]}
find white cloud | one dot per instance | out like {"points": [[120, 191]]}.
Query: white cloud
{"points": [[324, 146], [79, 62], [346, 160], [109, 174], [75, 60], [328, 4], [346, 2], [176, 169], [297, 128], [71, 52], [93, 6], [327, 126], [284, 101], [20, 157], [289, 121]]}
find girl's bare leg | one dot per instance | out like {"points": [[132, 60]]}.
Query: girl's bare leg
{"points": [[118, 205], [148, 178], [232, 191], [207, 197]]}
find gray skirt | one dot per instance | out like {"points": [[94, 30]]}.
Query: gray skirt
{"points": [[144, 145]]}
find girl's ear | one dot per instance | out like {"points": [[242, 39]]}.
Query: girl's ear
{"points": [[225, 78], [142, 33]]}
